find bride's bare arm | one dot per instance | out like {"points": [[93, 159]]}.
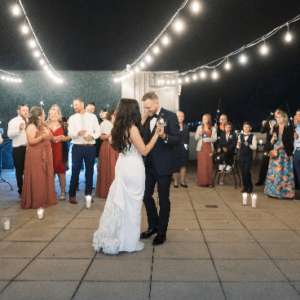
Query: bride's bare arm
{"points": [[139, 143]]}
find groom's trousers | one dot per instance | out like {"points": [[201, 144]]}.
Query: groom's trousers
{"points": [[163, 186]]}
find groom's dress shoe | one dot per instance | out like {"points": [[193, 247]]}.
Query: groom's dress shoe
{"points": [[150, 231], [159, 239]]}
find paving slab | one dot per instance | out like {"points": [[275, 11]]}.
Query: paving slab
{"points": [[55, 269], [248, 270], [235, 235], [186, 290], [236, 251], [215, 215], [179, 270], [254, 215], [180, 207], [272, 235], [296, 285], [174, 235], [183, 224], [68, 250], [119, 270], [40, 234], [47, 222], [282, 250], [291, 268], [89, 214], [179, 215], [264, 224], [178, 250], [260, 291], [21, 249], [84, 223], [9, 268], [3, 284], [221, 224], [40, 290], [75, 235], [113, 290]]}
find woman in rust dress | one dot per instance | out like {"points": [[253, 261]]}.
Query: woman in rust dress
{"points": [[59, 131], [206, 135], [107, 157], [38, 185]]}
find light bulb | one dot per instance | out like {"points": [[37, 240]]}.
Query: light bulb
{"points": [[131, 72], [142, 64], [163, 81], [288, 37], [227, 66], [264, 49], [215, 75], [173, 81], [42, 62], [179, 80], [156, 50], [187, 79], [243, 59], [32, 43], [196, 6], [25, 29], [165, 40], [137, 69], [115, 79], [16, 10], [20, 80], [158, 81], [148, 58], [2, 77], [203, 74], [37, 53], [195, 77], [46, 68], [178, 25], [127, 75]]}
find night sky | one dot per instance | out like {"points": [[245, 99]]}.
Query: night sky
{"points": [[106, 35]]}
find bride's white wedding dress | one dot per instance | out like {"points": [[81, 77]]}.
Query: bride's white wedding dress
{"points": [[119, 227]]}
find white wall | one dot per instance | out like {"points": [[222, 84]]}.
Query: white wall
{"points": [[136, 86]]}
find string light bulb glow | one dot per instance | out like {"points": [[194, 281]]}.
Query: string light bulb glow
{"points": [[178, 25], [42, 62], [215, 75], [148, 58], [25, 29], [264, 49], [288, 36], [37, 53], [168, 81], [187, 79], [32, 43], [16, 10], [165, 40], [142, 64], [243, 59], [195, 77], [227, 65], [179, 80], [203, 74], [136, 69], [156, 50], [196, 6]]}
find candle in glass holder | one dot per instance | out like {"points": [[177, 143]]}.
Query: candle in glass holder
{"points": [[88, 200], [6, 223], [254, 200], [245, 195], [40, 213]]}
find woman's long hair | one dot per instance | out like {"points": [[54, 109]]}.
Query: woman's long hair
{"points": [[34, 114], [128, 114], [209, 125], [283, 114]]}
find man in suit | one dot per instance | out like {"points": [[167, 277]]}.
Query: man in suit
{"points": [[160, 164]]}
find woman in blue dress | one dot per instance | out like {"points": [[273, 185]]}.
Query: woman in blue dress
{"points": [[280, 178]]}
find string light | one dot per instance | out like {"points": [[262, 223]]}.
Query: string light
{"points": [[148, 58], [137, 69], [178, 25], [156, 50], [195, 77], [142, 64], [215, 75], [264, 49], [288, 36], [227, 65], [195, 6], [33, 42], [165, 40], [10, 77], [203, 74], [243, 59]]}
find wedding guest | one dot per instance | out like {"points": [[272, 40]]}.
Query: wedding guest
{"points": [[59, 130], [107, 158], [220, 129], [38, 186], [297, 150], [246, 143], [83, 130], [184, 150], [55, 106], [267, 148], [206, 135], [16, 131], [280, 178], [102, 117], [90, 108]]}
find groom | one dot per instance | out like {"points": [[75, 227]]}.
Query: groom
{"points": [[160, 164]]}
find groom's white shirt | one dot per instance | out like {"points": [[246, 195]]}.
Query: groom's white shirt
{"points": [[153, 121]]}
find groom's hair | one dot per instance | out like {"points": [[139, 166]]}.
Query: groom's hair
{"points": [[150, 95]]}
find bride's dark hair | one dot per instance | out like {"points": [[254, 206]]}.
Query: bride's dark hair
{"points": [[128, 114]]}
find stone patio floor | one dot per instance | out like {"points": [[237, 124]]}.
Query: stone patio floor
{"points": [[229, 252]]}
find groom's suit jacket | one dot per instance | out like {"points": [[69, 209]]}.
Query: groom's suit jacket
{"points": [[164, 155]]}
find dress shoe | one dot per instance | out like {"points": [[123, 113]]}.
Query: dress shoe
{"points": [[72, 200], [249, 189], [184, 185], [150, 231], [259, 183], [176, 186], [245, 189], [159, 239]]}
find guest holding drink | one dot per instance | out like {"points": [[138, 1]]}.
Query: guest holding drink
{"points": [[107, 157], [184, 150], [59, 131], [16, 131], [206, 135], [280, 178], [38, 187]]}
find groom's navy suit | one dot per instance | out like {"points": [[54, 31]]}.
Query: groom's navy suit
{"points": [[161, 162]]}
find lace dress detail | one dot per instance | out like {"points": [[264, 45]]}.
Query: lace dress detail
{"points": [[119, 226]]}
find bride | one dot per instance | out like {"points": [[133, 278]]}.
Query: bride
{"points": [[119, 227]]}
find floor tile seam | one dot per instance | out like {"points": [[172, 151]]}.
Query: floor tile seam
{"points": [[298, 292], [211, 258], [48, 243]]}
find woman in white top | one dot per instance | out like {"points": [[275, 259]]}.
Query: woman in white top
{"points": [[107, 157], [206, 135]]}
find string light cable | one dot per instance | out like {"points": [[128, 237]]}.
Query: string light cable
{"points": [[165, 40], [10, 77], [243, 58], [34, 42]]}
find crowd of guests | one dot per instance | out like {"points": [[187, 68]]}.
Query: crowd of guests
{"points": [[40, 151]]}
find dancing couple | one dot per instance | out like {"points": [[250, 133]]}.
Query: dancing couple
{"points": [[147, 147]]}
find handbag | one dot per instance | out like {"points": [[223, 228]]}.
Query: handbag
{"points": [[273, 154]]}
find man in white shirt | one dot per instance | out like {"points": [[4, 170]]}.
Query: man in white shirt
{"points": [[83, 130], [16, 131]]}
